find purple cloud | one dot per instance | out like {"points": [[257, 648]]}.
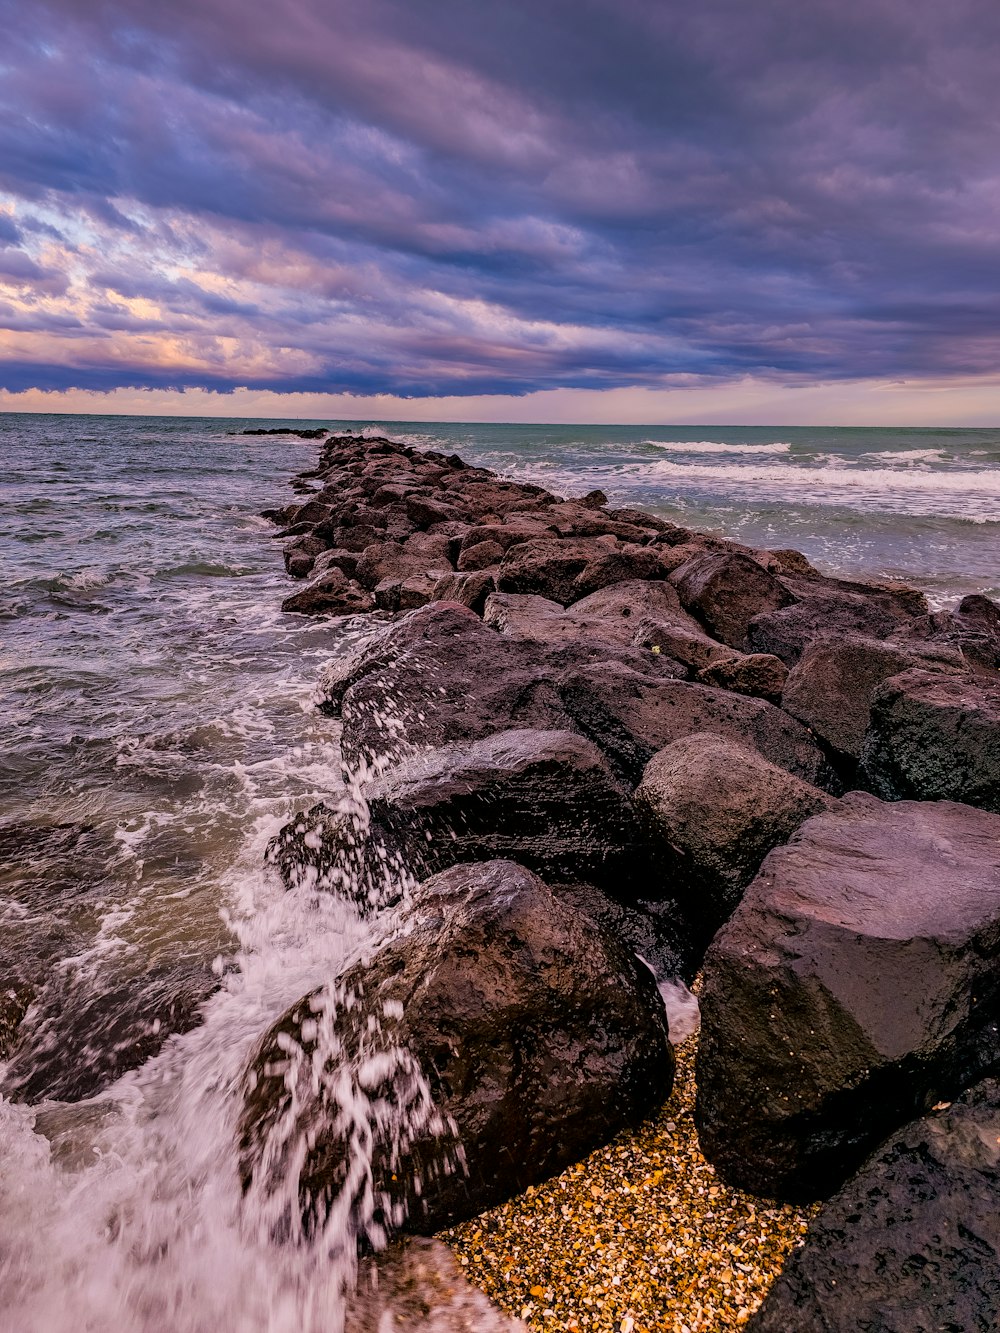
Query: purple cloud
{"points": [[424, 197]]}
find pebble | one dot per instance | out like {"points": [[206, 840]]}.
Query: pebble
{"points": [[639, 1237]]}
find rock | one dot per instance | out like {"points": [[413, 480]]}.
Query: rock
{"points": [[300, 555], [409, 593], [971, 632], [346, 561], [721, 807], [830, 687], [84, 1032], [391, 562], [935, 736], [832, 607], [725, 590], [630, 715], [623, 565], [543, 798], [470, 590], [854, 986], [441, 676], [331, 594], [758, 674], [910, 1244], [548, 568], [499, 1019], [480, 556], [658, 933]]}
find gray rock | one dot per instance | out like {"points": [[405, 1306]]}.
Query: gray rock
{"points": [[911, 1244], [854, 986], [498, 1038], [935, 736]]}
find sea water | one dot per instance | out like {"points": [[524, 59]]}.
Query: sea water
{"points": [[155, 700]]}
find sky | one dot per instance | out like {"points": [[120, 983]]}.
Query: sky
{"points": [[594, 210]]}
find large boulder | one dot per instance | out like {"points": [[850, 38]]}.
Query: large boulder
{"points": [[830, 688], [548, 567], [498, 1037], [720, 807], [725, 590], [935, 736], [441, 676], [331, 593], [911, 1244], [973, 629], [825, 607], [631, 714], [854, 986], [543, 798]]}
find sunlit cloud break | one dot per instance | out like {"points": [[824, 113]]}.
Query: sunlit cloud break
{"points": [[432, 200]]}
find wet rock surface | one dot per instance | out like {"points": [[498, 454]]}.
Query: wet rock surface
{"points": [[720, 807], [911, 1244], [545, 657], [935, 737], [503, 997], [855, 986]]}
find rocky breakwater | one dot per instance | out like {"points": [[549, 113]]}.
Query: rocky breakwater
{"points": [[586, 746]]}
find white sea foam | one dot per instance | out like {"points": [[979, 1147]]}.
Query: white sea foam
{"points": [[716, 447], [962, 493], [908, 457]]}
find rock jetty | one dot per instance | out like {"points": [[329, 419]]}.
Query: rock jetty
{"points": [[594, 753]]}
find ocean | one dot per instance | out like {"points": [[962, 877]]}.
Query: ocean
{"points": [[156, 709]]}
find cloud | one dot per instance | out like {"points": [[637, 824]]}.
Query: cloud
{"points": [[421, 198]]}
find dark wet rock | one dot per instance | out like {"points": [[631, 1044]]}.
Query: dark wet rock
{"points": [[539, 1036], [438, 677], [935, 737], [911, 1244], [854, 986], [543, 798], [758, 674], [832, 607], [659, 933], [548, 568], [83, 1032], [300, 556], [331, 594], [302, 433], [830, 688], [725, 590], [630, 715], [720, 807], [336, 850]]}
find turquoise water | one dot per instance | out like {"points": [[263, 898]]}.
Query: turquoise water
{"points": [[152, 690]]}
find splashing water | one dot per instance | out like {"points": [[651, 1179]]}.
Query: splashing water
{"points": [[159, 698]]}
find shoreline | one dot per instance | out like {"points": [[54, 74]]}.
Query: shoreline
{"points": [[509, 607]]}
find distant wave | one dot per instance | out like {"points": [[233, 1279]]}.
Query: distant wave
{"points": [[716, 447], [909, 457], [960, 493]]}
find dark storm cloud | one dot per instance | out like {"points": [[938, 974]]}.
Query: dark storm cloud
{"points": [[430, 196]]}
